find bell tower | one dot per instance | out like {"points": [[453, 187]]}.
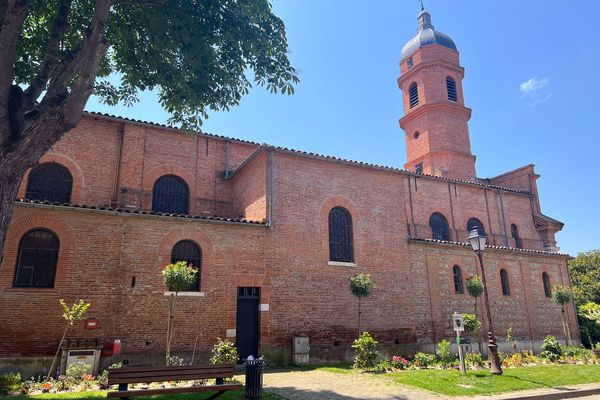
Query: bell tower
{"points": [[435, 118]]}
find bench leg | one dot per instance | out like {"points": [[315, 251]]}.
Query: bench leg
{"points": [[214, 396]]}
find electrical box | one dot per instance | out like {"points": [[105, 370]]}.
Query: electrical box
{"points": [[300, 350], [89, 357]]}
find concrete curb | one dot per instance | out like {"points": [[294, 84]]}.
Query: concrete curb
{"points": [[566, 393]]}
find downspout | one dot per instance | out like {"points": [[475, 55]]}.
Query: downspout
{"points": [[115, 196], [270, 179], [503, 218], [226, 159], [572, 302]]}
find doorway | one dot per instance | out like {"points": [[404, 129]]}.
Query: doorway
{"points": [[247, 322]]}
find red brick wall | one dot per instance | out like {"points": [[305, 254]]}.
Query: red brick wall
{"points": [[249, 189]]}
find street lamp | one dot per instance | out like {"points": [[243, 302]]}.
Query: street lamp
{"points": [[477, 240]]}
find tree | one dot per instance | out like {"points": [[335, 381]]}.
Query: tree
{"points": [[361, 286], [589, 323], [178, 277], [72, 314], [197, 54], [585, 277], [475, 289], [561, 295]]}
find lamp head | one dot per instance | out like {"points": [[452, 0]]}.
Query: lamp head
{"points": [[477, 239]]}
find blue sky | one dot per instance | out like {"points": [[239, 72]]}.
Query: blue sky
{"points": [[532, 80]]}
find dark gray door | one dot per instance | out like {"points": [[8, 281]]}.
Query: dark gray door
{"points": [[247, 323]]}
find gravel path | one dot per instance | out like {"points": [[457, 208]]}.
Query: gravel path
{"points": [[305, 385]]}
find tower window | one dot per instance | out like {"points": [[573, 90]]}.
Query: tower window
{"points": [[546, 280], [458, 280], [188, 251], [36, 259], [514, 231], [50, 182], [409, 63], [413, 93], [340, 235], [419, 168], [170, 195], [504, 282], [439, 227], [474, 222], [451, 86]]}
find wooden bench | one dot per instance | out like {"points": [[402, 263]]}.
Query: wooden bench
{"points": [[125, 376]]}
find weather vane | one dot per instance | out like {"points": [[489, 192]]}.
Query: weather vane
{"points": [[422, 6]]}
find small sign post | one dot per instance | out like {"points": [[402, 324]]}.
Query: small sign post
{"points": [[458, 325]]}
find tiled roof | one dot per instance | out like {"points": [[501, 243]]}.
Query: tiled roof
{"points": [[314, 156], [142, 212], [542, 252]]}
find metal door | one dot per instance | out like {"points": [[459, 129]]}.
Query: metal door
{"points": [[247, 322]]}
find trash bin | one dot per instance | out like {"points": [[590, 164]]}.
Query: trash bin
{"points": [[254, 378]]}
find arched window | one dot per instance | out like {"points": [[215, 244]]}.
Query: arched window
{"points": [[504, 282], [36, 259], [50, 182], [474, 222], [458, 280], [188, 251], [546, 280], [451, 86], [340, 235], [170, 195], [439, 227], [413, 93], [514, 231]]}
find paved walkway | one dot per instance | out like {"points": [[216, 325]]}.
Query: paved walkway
{"points": [[313, 385]]}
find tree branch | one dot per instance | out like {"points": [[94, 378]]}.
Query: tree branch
{"points": [[51, 55]]}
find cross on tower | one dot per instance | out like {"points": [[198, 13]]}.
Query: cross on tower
{"points": [[422, 6]]}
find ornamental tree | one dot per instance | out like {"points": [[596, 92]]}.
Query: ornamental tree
{"points": [[198, 55], [178, 277], [585, 277], [475, 289], [361, 286], [71, 314], [561, 295]]}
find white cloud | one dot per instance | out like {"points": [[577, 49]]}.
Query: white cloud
{"points": [[535, 90]]}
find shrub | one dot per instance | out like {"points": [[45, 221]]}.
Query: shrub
{"points": [[179, 277], [579, 354], [384, 366], [529, 357], [77, 371], [366, 352], [474, 359], [103, 376], [223, 352], [442, 350], [175, 361], [471, 323], [424, 360], [551, 349], [10, 383], [514, 360]]}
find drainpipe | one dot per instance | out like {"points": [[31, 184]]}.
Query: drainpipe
{"points": [[115, 197], [503, 218], [270, 179]]}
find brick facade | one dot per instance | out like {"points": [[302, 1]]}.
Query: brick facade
{"points": [[260, 216]]}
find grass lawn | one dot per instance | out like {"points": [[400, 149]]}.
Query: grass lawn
{"points": [[231, 395], [453, 383]]}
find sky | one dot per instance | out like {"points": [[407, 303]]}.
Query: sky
{"points": [[532, 80]]}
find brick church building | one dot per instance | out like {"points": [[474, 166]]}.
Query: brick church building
{"points": [[276, 234]]}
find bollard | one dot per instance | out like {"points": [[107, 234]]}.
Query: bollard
{"points": [[254, 378]]}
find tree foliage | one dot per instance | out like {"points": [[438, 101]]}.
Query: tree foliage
{"points": [[179, 277], [585, 277], [361, 285], [471, 323], [561, 295]]}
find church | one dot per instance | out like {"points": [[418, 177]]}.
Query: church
{"points": [[276, 234]]}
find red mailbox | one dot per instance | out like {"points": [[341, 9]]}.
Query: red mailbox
{"points": [[111, 349]]}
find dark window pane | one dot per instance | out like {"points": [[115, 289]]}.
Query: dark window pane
{"points": [[514, 231], [188, 251], [547, 289], [504, 281], [439, 227], [170, 195], [38, 255], [50, 182], [458, 281], [474, 222], [340, 235]]}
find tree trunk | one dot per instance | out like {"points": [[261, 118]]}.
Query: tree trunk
{"points": [[57, 352], [359, 311], [566, 329], [169, 330], [9, 186], [480, 326]]}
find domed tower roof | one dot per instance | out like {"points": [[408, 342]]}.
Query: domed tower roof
{"points": [[426, 35]]}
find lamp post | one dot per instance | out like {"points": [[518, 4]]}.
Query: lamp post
{"points": [[477, 241]]}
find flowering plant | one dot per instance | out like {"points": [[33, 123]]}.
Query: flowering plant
{"points": [[179, 276], [46, 386], [399, 362]]}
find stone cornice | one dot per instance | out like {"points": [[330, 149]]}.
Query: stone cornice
{"points": [[421, 109]]}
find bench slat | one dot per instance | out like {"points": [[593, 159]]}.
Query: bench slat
{"points": [[172, 368], [163, 378], [177, 390], [164, 373]]}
